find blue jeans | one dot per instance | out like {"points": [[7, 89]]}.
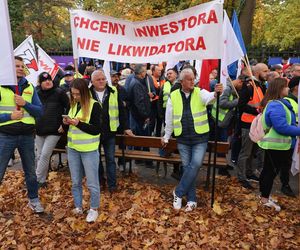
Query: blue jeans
{"points": [[25, 146], [109, 152], [192, 157], [88, 163]]}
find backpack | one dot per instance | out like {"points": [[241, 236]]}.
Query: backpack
{"points": [[256, 129]]}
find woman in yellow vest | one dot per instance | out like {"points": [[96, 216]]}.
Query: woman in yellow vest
{"points": [[280, 123], [83, 141]]}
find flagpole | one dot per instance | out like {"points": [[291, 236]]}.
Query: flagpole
{"points": [[76, 66], [216, 140], [237, 94]]}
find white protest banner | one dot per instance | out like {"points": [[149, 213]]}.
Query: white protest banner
{"points": [[46, 63], [26, 50], [194, 33], [106, 69], [232, 49], [7, 62]]}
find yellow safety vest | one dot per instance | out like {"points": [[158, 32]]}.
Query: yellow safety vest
{"points": [[222, 112], [166, 93], [79, 140], [294, 106], [272, 139], [113, 110], [198, 109], [8, 105]]}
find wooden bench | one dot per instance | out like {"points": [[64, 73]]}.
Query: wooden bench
{"points": [[171, 152], [172, 155]]}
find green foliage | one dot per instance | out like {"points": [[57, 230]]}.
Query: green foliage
{"points": [[276, 23]]}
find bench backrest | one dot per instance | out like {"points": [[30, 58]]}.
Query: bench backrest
{"points": [[155, 142]]}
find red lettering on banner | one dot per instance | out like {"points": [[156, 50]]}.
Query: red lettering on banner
{"points": [[76, 19], [162, 50], [164, 29], [103, 27], [138, 50], [122, 27], [152, 30], [179, 46], [200, 43], [92, 25], [201, 18], [192, 21], [88, 44], [153, 50], [182, 22], [126, 50], [141, 31], [190, 44], [173, 27], [85, 23], [212, 17]]}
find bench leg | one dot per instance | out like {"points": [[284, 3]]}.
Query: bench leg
{"points": [[157, 167], [165, 169], [50, 167], [60, 164], [208, 172], [130, 167]]}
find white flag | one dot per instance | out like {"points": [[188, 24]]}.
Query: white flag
{"points": [[46, 63], [106, 69], [7, 62], [26, 50], [232, 50]]}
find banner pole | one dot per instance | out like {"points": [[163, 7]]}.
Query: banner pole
{"points": [[216, 141], [76, 66]]}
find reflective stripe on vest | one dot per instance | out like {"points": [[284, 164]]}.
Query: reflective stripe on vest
{"points": [[294, 106], [113, 110], [255, 103], [198, 110], [8, 105], [78, 139], [166, 93], [272, 139], [222, 112]]}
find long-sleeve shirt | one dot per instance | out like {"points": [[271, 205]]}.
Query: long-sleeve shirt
{"points": [[34, 108], [206, 97]]}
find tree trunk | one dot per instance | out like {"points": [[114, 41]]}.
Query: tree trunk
{"points": [[246, 20]]}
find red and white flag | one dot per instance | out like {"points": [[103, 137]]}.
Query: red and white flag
{"points": [[26, 50], [46, 63], [7, 62], [232, 50]]}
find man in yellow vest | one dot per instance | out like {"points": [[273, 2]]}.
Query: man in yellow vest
{"points": [[249, 106], [186, 115], [113, 115], [18, 110]]}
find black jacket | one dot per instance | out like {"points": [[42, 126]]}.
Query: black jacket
{"points": [[55, 104], [105, 127], [140, 103]]}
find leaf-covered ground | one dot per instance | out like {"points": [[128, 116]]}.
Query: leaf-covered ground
{"points": [[140, 216]]}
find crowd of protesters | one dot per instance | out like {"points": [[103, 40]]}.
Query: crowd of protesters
{"points": [[150, 100]]}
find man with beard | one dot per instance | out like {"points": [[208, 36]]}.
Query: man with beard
{"points": [[249, 106]]}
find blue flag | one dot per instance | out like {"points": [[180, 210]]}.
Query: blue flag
{"points": [[232, 68]]}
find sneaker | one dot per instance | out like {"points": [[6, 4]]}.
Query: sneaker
{"points": [[270, 203], [92, 215], [36, 207], [190, 206], [287, 191], [246, 184], [177, 202], [253, 178], [10, 163], [77, 210]]}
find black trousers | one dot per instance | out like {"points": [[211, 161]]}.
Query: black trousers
{"points": [[275, 161]]}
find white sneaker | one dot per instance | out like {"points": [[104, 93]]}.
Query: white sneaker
{"points": [[77, 210], [270, 203], [190, 206], [177, 202], [36, 207], [92, 215]]}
